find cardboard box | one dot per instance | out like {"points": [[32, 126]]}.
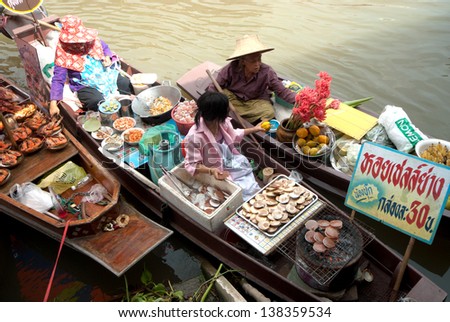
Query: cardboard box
{"points": [[214, 221]]}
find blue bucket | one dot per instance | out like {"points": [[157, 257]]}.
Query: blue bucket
{"points": [[273, 127]]}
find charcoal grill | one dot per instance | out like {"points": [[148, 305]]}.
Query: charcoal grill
{"points": [[342, 259]]}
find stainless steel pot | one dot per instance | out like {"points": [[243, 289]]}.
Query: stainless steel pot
{"points": [[141, 104]]}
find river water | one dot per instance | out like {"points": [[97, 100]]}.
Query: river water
{"points": [[396, 51]]}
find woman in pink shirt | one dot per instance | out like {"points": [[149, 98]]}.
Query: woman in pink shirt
{"points": [[209, 145]]}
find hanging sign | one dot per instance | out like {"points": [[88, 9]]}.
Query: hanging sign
{"points": [[21, 6], [402, 191]]}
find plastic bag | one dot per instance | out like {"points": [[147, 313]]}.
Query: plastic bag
{"points": [[345, 153], [63, 178], [32, 196], [152, 137], [399, 128], [378, 135]]}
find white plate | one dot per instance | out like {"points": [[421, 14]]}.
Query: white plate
{"points": [[126, 132], [124, 123], [107, 131], [91, 125], [144, 78], [115, 141]]}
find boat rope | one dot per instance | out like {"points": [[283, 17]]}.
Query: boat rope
{"points": [[50, 282]]}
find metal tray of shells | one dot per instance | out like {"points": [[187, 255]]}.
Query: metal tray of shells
{"points": [[276, 205]]}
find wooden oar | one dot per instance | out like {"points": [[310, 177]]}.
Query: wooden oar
{"points": [[43, 23], [239, 118]]}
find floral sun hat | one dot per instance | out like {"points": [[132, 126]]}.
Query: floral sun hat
{"points": [[248, 44], [75, 41], [73, 31]]}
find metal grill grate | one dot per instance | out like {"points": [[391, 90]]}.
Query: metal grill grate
{"points": [[324, 274]]}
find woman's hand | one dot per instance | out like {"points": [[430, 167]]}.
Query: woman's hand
{"points": [[53, 109], [254, 129], [218, 174]]}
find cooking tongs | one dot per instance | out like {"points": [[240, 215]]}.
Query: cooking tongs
{"points": [[175, 180]]}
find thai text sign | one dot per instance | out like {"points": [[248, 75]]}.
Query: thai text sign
{"points": [[400, 190]]}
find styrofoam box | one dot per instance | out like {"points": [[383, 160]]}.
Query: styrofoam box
{"points": [[213, 221]]}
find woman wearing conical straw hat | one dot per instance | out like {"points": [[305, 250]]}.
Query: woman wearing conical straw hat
{"points": [[249, 83]]}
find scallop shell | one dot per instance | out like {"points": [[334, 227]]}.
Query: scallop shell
{"points": [[284, 198], [294, 195], [328, 242], [311, 224], [259, 204], [272, 229], [323, 223], [291, 209], [336, 224], [319, 247], [277, 215], [288, 189], [271, 194], [275, 223], [299, 190], [271, 202], [318, 237], [300, 200], [332, 232], [259, 197], [214, 203], [309, 236], [263, 225], [263, 212]]}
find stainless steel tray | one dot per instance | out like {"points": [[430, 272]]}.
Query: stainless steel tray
{"points": [[266, 192]]}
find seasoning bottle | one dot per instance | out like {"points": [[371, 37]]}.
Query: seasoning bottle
{"points": [[82, 182]]}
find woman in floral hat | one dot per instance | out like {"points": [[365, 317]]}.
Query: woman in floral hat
{"points": [[88, 63], [249, 83]]}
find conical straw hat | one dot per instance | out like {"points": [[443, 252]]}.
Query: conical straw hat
{"points": [[248, 44]]}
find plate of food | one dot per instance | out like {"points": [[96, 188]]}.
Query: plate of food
{"points": [[4, 176], [133, 135], [124, 123], [56, 142], [10, 158], [112, 143], [4, 145], [102, 133], [92, 124], [109, 106], [31, 145]]}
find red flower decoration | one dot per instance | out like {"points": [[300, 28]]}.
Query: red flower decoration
{"points": [[312, 103]]}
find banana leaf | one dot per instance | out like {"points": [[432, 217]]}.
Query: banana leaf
{"points": [[357, 102]]}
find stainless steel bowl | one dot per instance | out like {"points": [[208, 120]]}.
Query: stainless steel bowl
{"points": [[141, 104]]}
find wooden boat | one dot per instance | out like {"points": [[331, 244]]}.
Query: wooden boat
{"points": [[317, 171], [116, 250], [274, 271]]}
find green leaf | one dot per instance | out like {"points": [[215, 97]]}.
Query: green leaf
{"points": [[358, 101], [146, 277]]}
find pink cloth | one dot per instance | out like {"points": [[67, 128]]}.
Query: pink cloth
{"points": [[201, 146]]}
